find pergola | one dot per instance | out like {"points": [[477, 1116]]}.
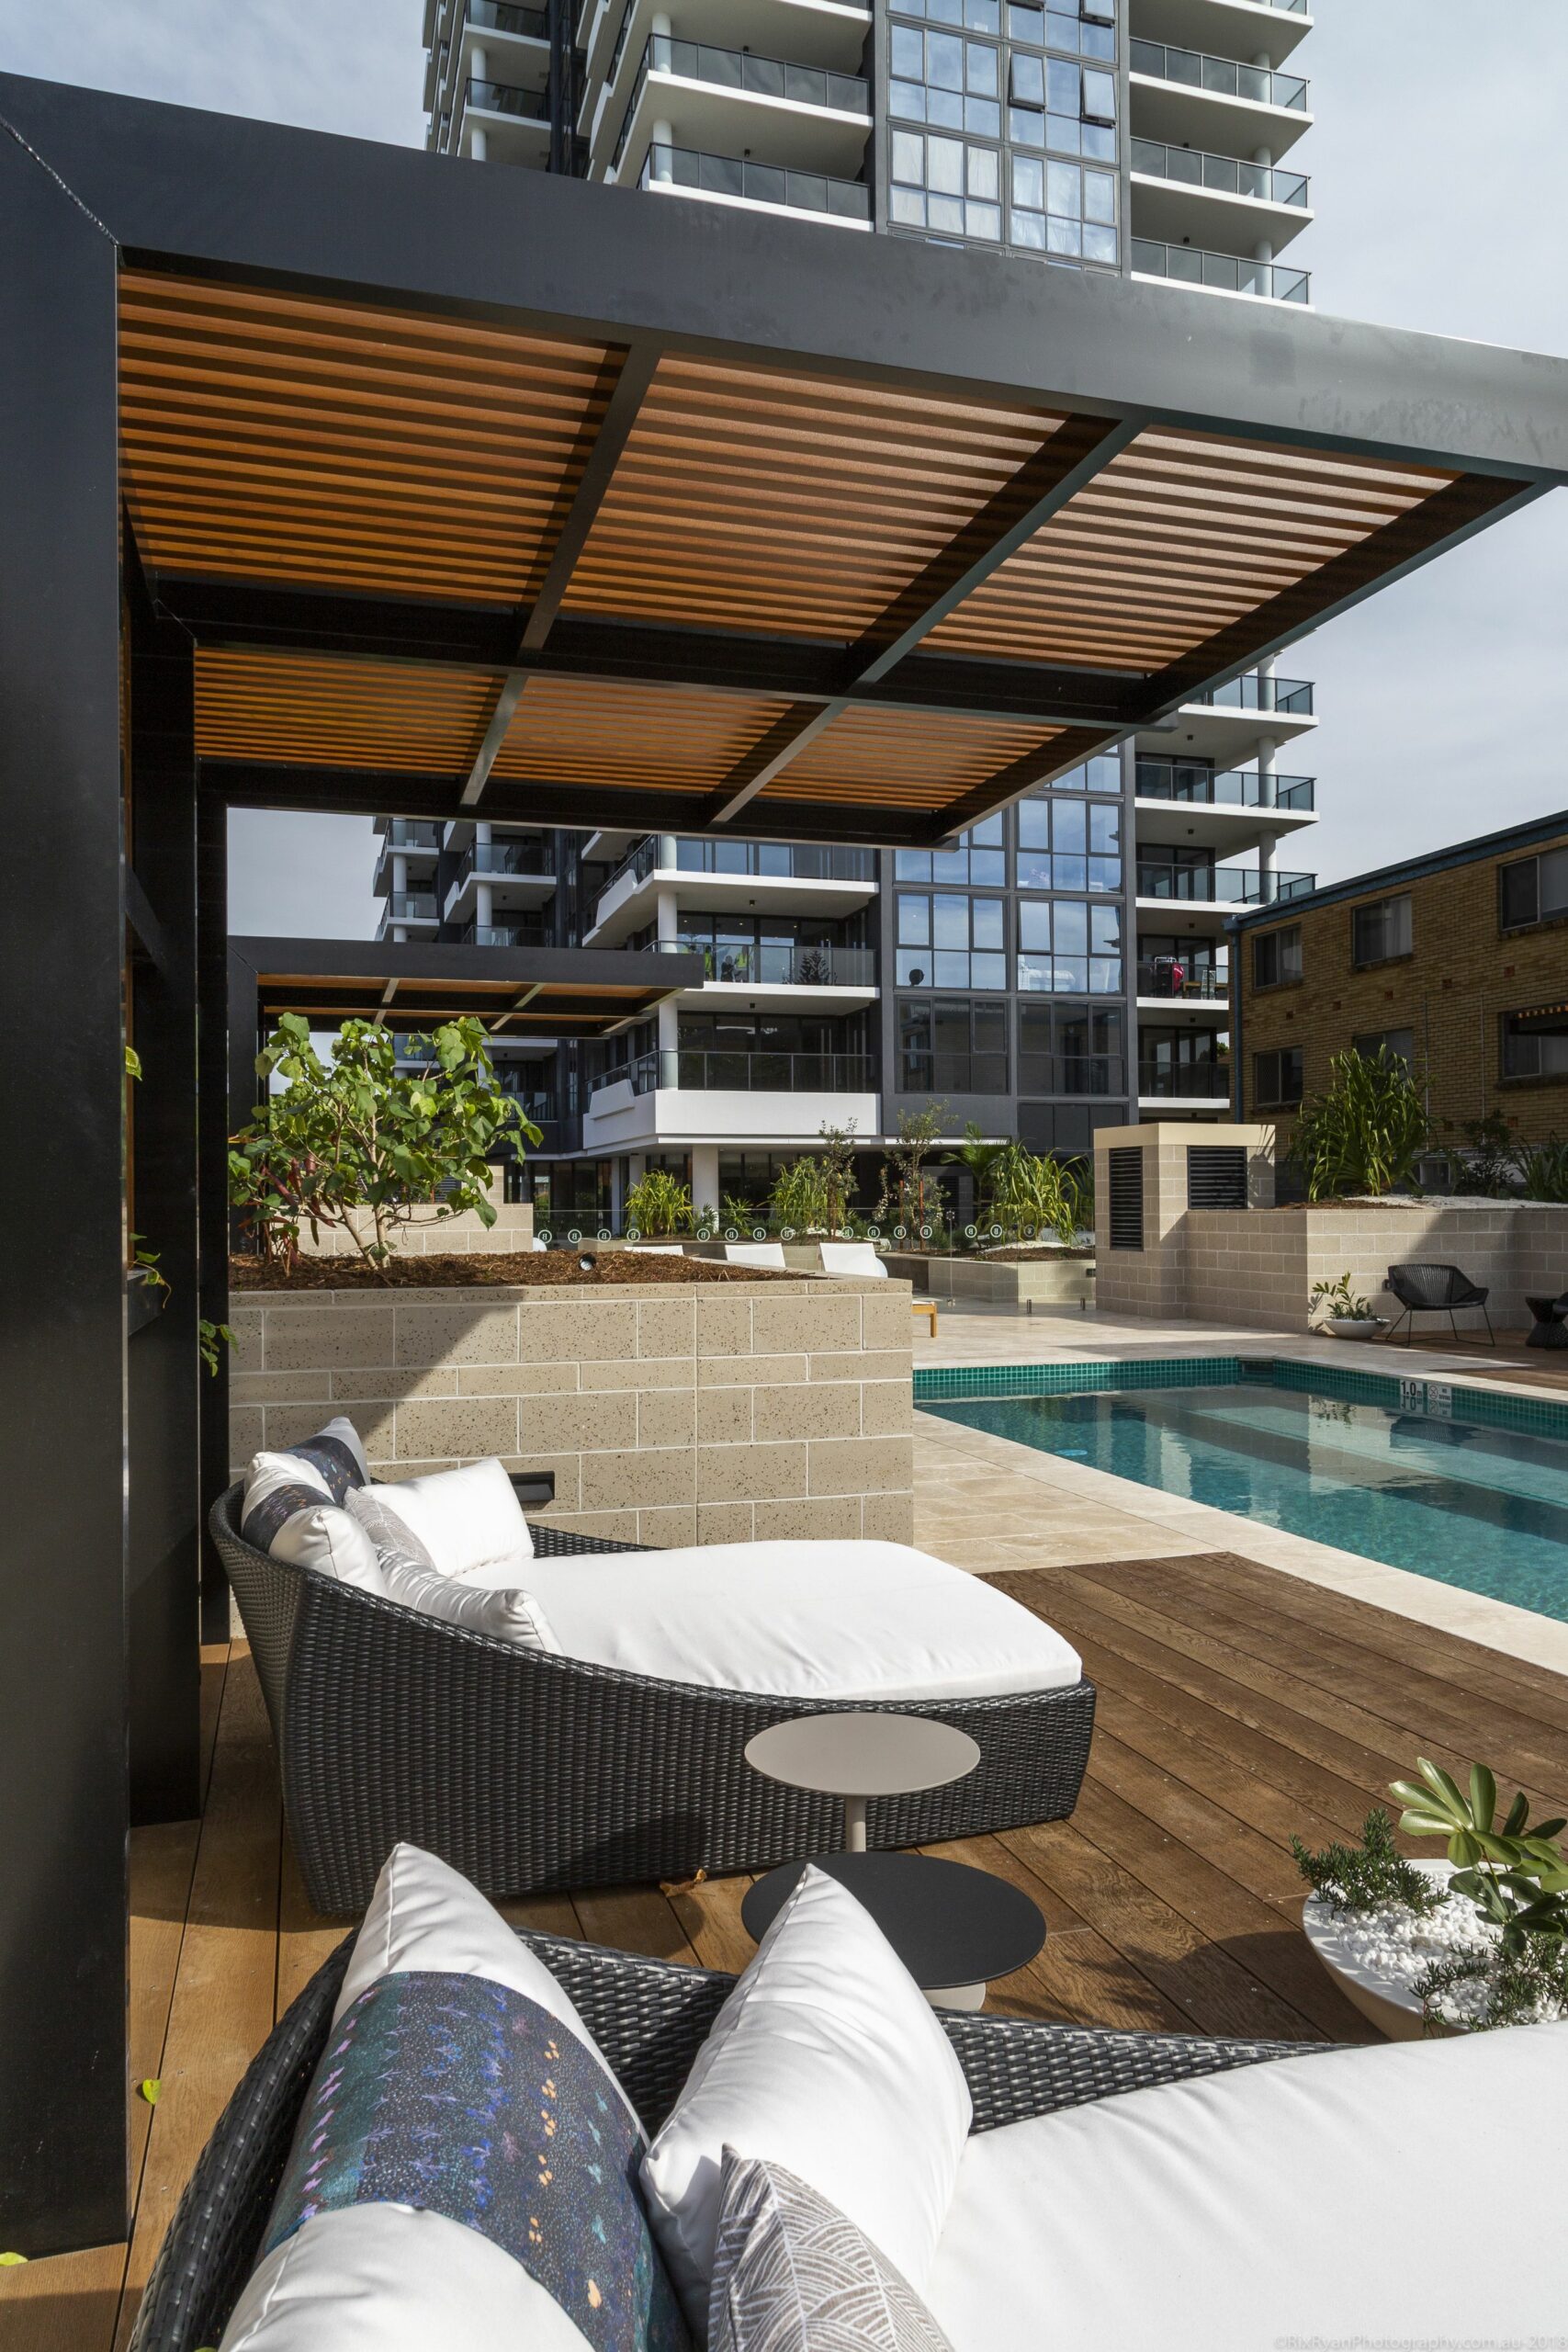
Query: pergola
{"points": [[345, 477]]}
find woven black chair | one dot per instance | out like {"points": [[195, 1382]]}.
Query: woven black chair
{"points": [[649, 2018], [1435, 1290], [527, 1772]]}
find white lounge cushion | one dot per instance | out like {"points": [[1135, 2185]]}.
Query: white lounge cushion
{"points": [[466, 1519], [486, 1600], [806, 1619], [425, 1916], [280, 1513], [392, 2279], [793, 2274], [1260, 2207], [827, 2058], [754, 1253], [857, 1258]]}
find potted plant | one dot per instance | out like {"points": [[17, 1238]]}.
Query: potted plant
{"points": [[1347, 1316], [1444, 1946]]}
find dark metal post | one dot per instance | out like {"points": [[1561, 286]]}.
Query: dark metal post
{"points": [[215, 1123], [163, 1366], [63, 2173]]}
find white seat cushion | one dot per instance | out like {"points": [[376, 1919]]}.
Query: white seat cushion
{"points": [[754, 1253], [856, 1258], [466, 1519], [1263, 2207], [827, 2058], [802, 1620], [486, 1600]]}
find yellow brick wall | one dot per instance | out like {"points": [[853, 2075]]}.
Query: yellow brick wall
{"points": [[1463, 974]]}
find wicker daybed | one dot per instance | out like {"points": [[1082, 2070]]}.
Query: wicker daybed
{"points": [[649, 2018], [528, 1770]]}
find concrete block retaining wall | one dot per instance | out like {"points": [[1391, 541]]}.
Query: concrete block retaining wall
{"points": [[1259, 1269], [669, 1415], [1056, 1281]]}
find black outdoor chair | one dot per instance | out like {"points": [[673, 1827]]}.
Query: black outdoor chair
{"points": [[1436, 1290], [1550, 1328]]}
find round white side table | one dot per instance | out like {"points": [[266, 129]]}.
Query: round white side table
{"points": [[857, 1757]]}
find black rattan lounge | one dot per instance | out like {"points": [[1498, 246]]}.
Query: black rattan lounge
{"points": [[1435, 1290], [649, 2018], [526, 1771]]}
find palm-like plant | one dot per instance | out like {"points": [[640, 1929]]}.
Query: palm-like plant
{"points": [[1032, 1190], [980, 1159], [659, 1203], [1366, 1131]]}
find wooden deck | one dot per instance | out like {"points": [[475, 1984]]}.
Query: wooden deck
{"points": [[1237, 1705]]}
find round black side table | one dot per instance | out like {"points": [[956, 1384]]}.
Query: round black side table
{"points": [[954, 1928]]}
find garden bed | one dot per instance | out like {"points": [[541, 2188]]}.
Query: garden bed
{"points": [[1031, 1253], [471, 1270]]}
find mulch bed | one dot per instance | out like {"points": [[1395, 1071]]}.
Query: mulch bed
{"points": [[532, 1269], [1026, 1253]]}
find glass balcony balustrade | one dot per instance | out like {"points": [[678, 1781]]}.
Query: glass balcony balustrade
{"points": [[493, 858], [1240, 886], [1268, 281], [737, 68], [1254, 691], [1223, 77], [412, 832], [1227, 788], [1185, 1081], [1177, 977], [1224, 174], [728, 176], [410, 906], [771, 861], [500, 16], [779, 964], [707, 1070], [503, 97]]}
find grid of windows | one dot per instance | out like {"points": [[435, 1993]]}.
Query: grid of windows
{"points": [[978, 856], [1068, 947], [1040, 82], [1070, 1049], [948, 939], [1103, 774], [947, 1046], [1069, 846]]}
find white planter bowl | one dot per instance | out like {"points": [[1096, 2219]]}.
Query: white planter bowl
{"points": [[1355, 1327], [1381, 2001]]}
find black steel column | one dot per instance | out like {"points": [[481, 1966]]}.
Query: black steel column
{"points": [[215, 1124], [163, 1364], [63, 1351]]}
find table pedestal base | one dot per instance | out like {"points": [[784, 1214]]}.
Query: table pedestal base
{"points": [[957, 1996]]}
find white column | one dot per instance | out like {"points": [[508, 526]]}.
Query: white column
{"points": [[484, 895], [704, 1176], [666, 927], [663, 136], [479, 70], [400, 872]]}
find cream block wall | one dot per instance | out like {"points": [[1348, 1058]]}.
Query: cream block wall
{"points": [[1260, 1270], [669, 1415], [1153, 1281], [455, 1235]]}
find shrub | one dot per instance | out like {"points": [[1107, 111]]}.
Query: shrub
{"points": [[910, 1194], [799, 1201], [1544, 1170], [1366, 1131], [1038, 1191], [357, 1141], [1365, 1877], [660, 1205]]}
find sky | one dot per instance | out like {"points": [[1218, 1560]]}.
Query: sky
{"points": [[1435, 161]]}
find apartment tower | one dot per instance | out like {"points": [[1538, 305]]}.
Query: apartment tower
{"points": [[1063, 965]]}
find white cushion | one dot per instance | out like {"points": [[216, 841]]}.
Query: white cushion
{"points": [[392, 2279], [425, 1916], [317, 1535], [754, 1253], [827, 2059], [393, 1538], [851, 1258], [1261, 2207], [796, 1619], [485, 1601], [466, 1519]]}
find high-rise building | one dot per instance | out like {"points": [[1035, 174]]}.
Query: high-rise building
{"points": [[1063, 965]]}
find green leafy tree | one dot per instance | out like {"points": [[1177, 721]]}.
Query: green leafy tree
{"points": [[660, 1205], [1366, 1131], [838, 1162], [910, 1194], [358, 1147]]}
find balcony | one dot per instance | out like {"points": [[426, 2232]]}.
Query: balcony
{"points": [[715, 877], [767, 188], [499, 17], [503, 935], [405, 907], [700, 1069], [1097, 1075], [1221, 885], [506, 97], [1178, 191], [521, 873], [1193, 99], [1262, 281], [1230, 788], [1157, 980], [412, 833], [781, 965], [1270, 30], [1256, 690], [1184, 1082], [720, 96]]}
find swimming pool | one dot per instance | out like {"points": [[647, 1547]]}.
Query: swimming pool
{"points": [[1456, 1483]]}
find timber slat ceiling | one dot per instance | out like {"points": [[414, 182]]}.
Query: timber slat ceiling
{"points": [[559, 1008], [321, 711], [929, 768], [1175, 539], [275, 437], [392, 528], [749, 499], [589, 733]]}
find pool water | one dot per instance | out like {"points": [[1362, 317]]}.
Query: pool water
{"points": [[1446, 1495]]}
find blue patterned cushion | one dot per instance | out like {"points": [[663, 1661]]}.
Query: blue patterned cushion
{"points": [[333, 1462], [459, 2096], [328, 1469]]}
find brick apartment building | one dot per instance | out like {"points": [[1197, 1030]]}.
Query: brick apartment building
{"points": [[1458, 961]]}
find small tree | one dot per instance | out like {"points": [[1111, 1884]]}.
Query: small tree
{"points": [[660, 1205], [1366, 1131], [838, 1175], [357, 1143], [909, 1192], [980, 1159]]}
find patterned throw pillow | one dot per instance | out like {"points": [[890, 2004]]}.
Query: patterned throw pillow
{"points": [[323, 1471], [453, 2095], [793, 2274]]}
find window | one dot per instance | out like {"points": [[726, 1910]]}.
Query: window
{"points": [[1085, 30], [1068, 947], [1103, 774], [1380, 931], [941, 79], [980, 16], [1535, 890], [1070, 1049], [1277, 958], [1277, 1079], [948, 939], [949, 1047], [1053, 103], [1398, 1044], [1535, 1044], [977, 856], [1069, 844]]}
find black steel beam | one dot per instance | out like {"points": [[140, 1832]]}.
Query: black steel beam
{"points": [[633, 376], [63, 2075], [164, 1367], [215, 1124]]}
